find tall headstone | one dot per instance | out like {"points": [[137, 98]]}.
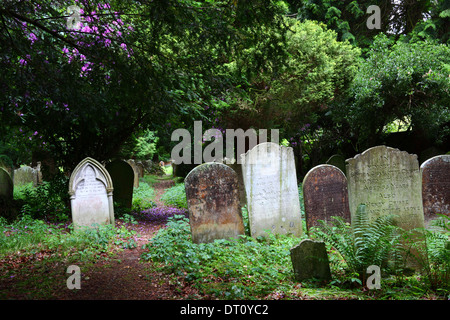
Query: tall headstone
{"points": [[271, 188], [436, 187], [310, 260], [325, 195], [122, 176], [212, 194], [91, 194], [387, 181]]}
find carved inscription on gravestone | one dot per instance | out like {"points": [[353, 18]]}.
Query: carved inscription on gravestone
{"points": [[325, 195], [271, 188], [387, 181], [212, 193], [436, 187]]}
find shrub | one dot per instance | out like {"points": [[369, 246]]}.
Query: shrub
{"points": [[365, 243], [230, 269], [143, 197], [49, 200], [175, 196]]}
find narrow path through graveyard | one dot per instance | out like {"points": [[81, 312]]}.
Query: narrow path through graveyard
{"points": [[124, 277]]}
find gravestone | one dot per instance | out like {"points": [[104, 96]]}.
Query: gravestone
{"points": [[91, 194], [387, 181], [310, 260], [135, 173], [237, 167], [212, 194], [122, 176], [436, 187], [25, 175], [7, 209], [325, 195], [271, 189]]}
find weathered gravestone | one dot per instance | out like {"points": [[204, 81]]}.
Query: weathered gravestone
{"points": [[212, 194], [122, 176], [271, 188], [135, 173], [237, 167], [310, 260], [25, 175], [387, 181], [7, 208], [325, 195], [91, 194], [436, 187]]}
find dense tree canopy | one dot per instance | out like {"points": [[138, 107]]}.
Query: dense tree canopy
{"points": [[131, 65], [133, 71]]}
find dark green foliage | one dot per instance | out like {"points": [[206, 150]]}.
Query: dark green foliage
{"points": [[49, 200], [364, 243]]}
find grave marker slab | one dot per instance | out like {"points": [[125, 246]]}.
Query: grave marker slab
{"points": [[310, 260], [387, 181], [91, 194], [325, 195], [436, 187], [122, 176], [212, 193], [271, 189], [24, 175]]}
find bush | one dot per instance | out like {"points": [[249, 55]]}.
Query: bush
{"points": [[175, 196], [230, 269], [49, 200], [143, 197], [364, 244]]}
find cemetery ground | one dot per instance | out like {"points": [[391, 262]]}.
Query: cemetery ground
{"points": [[149, 255]]}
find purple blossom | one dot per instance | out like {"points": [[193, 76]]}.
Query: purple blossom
{"points": [[23, 62], [160, 214]]}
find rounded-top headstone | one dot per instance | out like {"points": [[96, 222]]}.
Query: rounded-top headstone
{"points": [[436, 187], [212, 193], [122, 176], [325, 195], [387, 181]]}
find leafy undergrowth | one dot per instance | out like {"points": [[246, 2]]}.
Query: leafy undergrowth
{"points": [[248, 268]]}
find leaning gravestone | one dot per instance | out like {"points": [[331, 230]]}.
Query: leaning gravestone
{"points": [[271, 189], [212, 194], [325, 195], [25, 175], [436, 187], [122, 176], [310, 260], [387, 181], [91, 194]]}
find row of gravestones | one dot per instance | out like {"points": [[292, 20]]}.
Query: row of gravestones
{"points": [[387, 180], [90, 188]]}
